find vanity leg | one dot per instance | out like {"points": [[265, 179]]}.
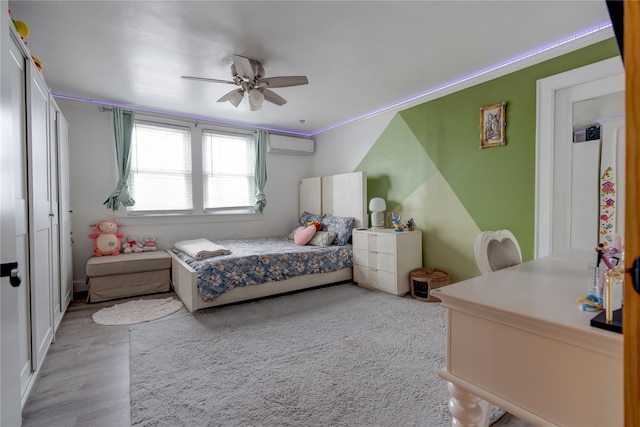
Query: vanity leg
{"points": [[467, 409]]}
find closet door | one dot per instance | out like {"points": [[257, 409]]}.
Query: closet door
{"points": [[40, 215], [56, 299], [60, 137], [66, 233], [13, 236], [17, 74]]}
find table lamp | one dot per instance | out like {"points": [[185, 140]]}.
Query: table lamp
{"points": [[377, 206]]}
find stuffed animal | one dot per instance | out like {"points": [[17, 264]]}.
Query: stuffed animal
{"points": [[107, 239], [396, 220], [150, 243], [410, 225], [132, 245]]}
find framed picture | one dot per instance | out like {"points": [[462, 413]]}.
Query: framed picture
{"points": [[493, 125]]}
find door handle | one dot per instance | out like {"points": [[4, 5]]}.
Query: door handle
{"points": [[11, 269], [635, 274]]}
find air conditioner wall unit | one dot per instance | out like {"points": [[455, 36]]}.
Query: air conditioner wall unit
{"points": [[280, 144]]}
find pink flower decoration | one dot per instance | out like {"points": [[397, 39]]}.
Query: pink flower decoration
{"points": [[607, 187]]}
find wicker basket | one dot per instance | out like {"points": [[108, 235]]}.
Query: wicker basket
{"points": [[424, 279]]}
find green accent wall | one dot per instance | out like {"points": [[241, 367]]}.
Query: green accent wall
{"points": [[495, 185], [396, 150]]}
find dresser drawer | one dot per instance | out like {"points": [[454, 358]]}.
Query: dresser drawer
{"points": [[383, 258], [375, 242], [379, 279], [376, 260]]}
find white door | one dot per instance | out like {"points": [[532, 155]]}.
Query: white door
{"points": [[595, 215], [65, 289], [40, 215], [17, 73], [56, 300], [66, 233], [554, 152], [583, 205], [577, 166], [11, 86], [614, 155]]}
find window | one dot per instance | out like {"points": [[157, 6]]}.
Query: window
{"points": [[182, 169], [160, 168], [228, 168]]}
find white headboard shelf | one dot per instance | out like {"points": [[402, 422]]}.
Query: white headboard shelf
{"points": [[338, 195]]}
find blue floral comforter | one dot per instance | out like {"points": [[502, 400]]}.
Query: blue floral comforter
{"points": [[256, 261]]}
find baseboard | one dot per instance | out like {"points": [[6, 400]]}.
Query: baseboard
{"points": [[80, 286]]}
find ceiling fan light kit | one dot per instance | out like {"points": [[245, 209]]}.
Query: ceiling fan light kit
{"points": [[256, 98], [248, 75], [235, 97]]}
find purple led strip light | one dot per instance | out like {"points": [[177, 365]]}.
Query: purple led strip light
{"points": [[469, 77], [171, 113], [360, 117]]}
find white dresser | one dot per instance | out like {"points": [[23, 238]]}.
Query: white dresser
{"points": [[383, 258]]}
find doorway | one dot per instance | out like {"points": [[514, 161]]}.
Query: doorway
{"points": [[560, 172]]}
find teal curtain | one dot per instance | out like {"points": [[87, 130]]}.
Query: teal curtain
{"points": [[122, 126], [261, 169]]}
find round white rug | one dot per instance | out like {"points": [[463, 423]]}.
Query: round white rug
{"points": [[137, 311]]}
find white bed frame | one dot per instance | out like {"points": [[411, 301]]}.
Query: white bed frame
{"points": [[338, 195]]}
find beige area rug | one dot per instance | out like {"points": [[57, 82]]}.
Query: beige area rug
{"points": [[339, 356], [137, 311]]}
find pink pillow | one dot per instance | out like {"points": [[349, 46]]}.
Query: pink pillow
{"points": [[303, 235]]}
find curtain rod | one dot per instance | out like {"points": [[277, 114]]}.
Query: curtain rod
{"points": [[103, 109], [182, 116]]}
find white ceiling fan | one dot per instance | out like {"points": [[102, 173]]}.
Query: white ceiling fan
{"points": [[248, 74]]}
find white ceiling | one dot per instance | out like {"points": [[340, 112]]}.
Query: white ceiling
{"points": [[359, 56]]}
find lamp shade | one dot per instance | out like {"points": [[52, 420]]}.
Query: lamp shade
{"points": [[256, 98], [236, 97], [377, 204]]}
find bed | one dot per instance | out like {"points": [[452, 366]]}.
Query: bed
{"points": [[342, 196]]}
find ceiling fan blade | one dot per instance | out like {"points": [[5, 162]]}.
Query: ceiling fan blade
{"points": [[283, 81], [235, 97], [273, 97], [204, 79], [243, 67]]}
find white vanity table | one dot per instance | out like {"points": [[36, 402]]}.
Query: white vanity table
{"points": [[517, 339]]}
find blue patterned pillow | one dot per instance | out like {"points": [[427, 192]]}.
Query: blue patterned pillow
{"points": [[340, 225], [307, 217]]}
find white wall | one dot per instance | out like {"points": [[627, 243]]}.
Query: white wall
{"points": [[340, 150], [93, 176]]}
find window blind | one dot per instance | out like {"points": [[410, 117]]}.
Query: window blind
{"points": [[228, 170], [160, 177]]}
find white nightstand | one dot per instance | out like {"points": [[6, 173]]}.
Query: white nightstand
{"points": [[383, 258]]}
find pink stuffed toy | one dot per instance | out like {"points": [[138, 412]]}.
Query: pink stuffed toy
{"points": [[107, 239]]}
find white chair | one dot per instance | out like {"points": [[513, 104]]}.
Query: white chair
{"points": [[496, 250]]}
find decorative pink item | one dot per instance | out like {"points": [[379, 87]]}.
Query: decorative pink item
{"points": [[303, 235], [107, 239]]}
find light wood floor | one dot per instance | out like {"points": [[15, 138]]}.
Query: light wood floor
{"points": [[84, 380]]}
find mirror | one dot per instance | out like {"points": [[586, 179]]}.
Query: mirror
{"points": [[597, 171]]}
